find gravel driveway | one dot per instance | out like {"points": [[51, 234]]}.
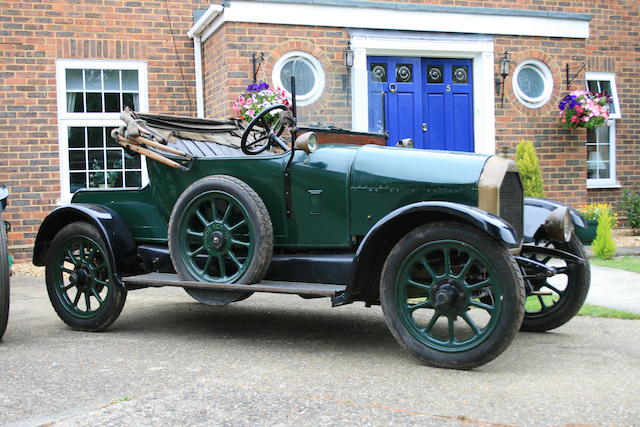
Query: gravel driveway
{"points": [[283, 360]]}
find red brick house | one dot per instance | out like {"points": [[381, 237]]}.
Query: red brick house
{"points": [[68, 67]]}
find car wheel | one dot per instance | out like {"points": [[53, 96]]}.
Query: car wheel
{"points": [[451, 295], [220, 232], [80, 279], [4, 279], [567, 290]]}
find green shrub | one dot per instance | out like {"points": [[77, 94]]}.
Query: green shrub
{"points": [[527, 161], [630, 203], [603, 245]]}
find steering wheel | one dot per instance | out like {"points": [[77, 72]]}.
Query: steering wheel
{"points": [[264, 134]]}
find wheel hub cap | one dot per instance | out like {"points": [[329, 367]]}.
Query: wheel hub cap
{"points": [[449, 297], [79, 277], [215, 238]]}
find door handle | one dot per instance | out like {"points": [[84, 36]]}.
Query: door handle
{"points": [[424, 127]]}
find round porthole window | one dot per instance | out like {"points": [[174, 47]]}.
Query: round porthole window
{"points": [[307, 71], [532, 83]]}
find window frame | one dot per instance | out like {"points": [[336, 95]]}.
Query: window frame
{"points": [[612, 181], [547, 79], [67, 120], [611, 78], [318, 72]]}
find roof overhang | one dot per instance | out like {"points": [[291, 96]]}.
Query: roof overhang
{"points": [[395, 16]]}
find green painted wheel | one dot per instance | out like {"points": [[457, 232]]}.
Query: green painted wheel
{"points": [[220, 232], [452, 295], [563, 294], [4, 279], [80, 280]]}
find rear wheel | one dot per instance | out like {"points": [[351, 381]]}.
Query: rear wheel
{"points": [[563, 294], [80, 281], [220, 232], [451, 295], [4, 278]]}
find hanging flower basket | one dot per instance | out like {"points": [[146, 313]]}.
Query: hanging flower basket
{"points": [[582, 109], [256, 98]]}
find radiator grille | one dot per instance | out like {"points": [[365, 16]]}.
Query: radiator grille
{"points": [[511, 202]]}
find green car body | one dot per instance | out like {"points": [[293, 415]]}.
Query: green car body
{"points": [[337, 192]]}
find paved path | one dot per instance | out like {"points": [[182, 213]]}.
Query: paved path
{"points": [[615, 288], [282, 360]]}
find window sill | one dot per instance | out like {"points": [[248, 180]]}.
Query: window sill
{"points": [[611, 186]]}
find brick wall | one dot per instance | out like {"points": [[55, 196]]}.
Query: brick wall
{"points": [[228, 67], [33, 34]]}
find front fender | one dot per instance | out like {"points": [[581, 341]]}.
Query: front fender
{"points": [[536, 212], [375, 246], [120, 244]]}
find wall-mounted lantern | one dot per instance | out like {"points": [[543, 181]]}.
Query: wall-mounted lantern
{"points": [[348, 55], [505, 66]]}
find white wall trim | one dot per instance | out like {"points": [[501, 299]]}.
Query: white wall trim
{"points": [[65, 120], [478, 49], [408, 20]]}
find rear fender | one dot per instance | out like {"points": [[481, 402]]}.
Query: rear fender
{"points": [[372, 251], [120, 244], [536, 212]]}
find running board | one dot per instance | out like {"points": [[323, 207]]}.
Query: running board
{"points": [[167, 279]]}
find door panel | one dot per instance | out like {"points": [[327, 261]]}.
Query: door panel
{"points": [[429, 100]]}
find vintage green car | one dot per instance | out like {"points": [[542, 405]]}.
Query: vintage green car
{"points": [[443, 241]]}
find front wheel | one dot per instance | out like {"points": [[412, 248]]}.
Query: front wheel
{"points": [[558, 298], [80, 281], [452, 296]]}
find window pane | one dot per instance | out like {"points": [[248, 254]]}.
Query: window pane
{"points": [[131, 162], [76, 137], [114, 159], [434, 74], [130, 80], [378, 72], [303, 71], [74, 79], [111, 79], [130, 100], [110, 141], [112, 103], [460, 74], [95, 137], [77, 181], [93, 79], [77, 160], [593, 86], [133, 179], [96, 159], [94, 103], [97, 179], [531, 82], [75, 102], [114, 179], [404, 73]]}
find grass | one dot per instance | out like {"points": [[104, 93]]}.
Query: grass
{"points": [[123, 399], [629, 263], [587, 310]]}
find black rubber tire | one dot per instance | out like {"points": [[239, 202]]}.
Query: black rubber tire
{"points": [[578, 282], [263, 234], [116, 296], [512, 303], [4, 279]]}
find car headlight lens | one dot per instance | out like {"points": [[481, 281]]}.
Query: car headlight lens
{"points": [[558, 225]]}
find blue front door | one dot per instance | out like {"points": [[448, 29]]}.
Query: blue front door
{"points": [[426, 99]]}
